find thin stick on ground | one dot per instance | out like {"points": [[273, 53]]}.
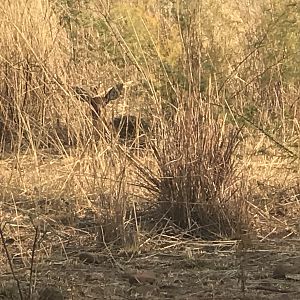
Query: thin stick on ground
{"points": [[34, 246], [10, 263]]}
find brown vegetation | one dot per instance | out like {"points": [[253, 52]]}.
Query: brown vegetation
{"points": [[203, 144]]}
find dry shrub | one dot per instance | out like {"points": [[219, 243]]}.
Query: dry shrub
{"points": [[199, 188]]}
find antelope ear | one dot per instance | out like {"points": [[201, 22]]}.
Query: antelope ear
{"points": [[82, 94], [114, 93]]}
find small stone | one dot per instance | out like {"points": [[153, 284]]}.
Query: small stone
{"points": [[141, 277], [50, 293], [90, 258], [280, 271], [86, 257]]}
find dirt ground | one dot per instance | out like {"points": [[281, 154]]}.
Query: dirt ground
{"points": [[186, 269]]}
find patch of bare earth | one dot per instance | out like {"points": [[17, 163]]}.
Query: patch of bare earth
{"points": [[71, 262]]}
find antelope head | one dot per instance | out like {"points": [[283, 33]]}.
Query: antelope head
{"points": [[98, 102]]}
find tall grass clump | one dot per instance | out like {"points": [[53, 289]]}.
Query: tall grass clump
{"points": [[199, 187]]}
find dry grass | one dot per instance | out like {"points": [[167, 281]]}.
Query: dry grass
{"points": [[219, 91]]}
